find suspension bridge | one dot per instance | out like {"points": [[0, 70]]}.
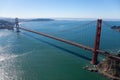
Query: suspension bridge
{"points": [[95, 50]]}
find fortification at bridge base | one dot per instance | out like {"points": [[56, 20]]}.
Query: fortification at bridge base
{"points": [[110, 68]]}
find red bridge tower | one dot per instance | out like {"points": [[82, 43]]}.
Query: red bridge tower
{"points": [[97, 42]]}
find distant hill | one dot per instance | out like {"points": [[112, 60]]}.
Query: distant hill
{"points": [[6, 25], [26, 20], [42, 19], [5, 22], [117, 28]]}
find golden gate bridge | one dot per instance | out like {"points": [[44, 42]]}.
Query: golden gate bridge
{"points": [[95, 50]]}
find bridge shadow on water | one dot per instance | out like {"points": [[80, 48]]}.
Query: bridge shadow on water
{"points": [[58, 47]]}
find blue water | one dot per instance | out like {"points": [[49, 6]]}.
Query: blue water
{"points": [[27, 56]]}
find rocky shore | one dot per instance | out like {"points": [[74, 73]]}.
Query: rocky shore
{"points": [[108, 67]]}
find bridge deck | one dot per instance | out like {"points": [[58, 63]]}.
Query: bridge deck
{"points": [[73, 43]]}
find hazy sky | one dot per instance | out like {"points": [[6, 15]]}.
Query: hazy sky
{"points": [[60, 8]]}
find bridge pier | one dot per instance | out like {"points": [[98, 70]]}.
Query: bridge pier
{"points": [[94, 60], [17, 25]]}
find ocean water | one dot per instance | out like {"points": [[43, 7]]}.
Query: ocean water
{"points": [[27, 56]]}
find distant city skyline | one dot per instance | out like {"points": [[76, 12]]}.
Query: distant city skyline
{"points": [[60, 8]]}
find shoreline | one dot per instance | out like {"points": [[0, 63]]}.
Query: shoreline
{"points": [[108, 75], [116, 28]]}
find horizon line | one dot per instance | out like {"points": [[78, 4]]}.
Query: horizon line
{"points": [[59, 18]]}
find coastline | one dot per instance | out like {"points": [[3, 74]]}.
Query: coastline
{"points": [[108, 75]]}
